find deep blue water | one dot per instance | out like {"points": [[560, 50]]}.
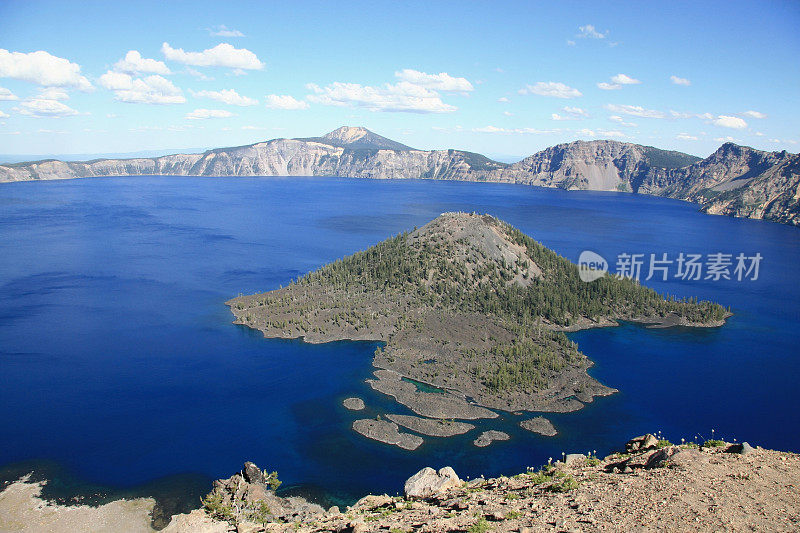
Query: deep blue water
{"points": [[119, 362]]}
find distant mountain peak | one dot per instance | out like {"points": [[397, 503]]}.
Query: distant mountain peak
{"points": [[357, 137], [347, 134]]}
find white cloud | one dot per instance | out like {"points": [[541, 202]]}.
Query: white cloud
{"points": [[575, 111], [150, 90], [508, 113], [223, 31], [5, 94], [680, 81], [402, 97], [437, 82], [503, 99], [589, 31], [4, 115], [42, 68], [42, 107], [200, 114], [222, 55], [754, 114], [284, 101], [134, 63], [551, 88], [512, 131], [253, 128], [617, 82], [612, 133], [226, 96], [759, 134], [53, 93], [571, 113], [621, 121], [727, 121], [727, 139], [197, 74], [570, 42], [624, 79], [634, 110], [686, 137]]}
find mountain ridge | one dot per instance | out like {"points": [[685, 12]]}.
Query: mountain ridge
{"points": [[735, 180]]}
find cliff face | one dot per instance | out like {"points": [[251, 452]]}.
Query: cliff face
{"points": [[593, 165], [735, 180]]}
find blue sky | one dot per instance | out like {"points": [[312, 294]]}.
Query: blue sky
{"points": [[500, 78]]}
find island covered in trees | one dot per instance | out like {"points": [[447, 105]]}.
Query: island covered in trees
{"points": [[471, 313]]}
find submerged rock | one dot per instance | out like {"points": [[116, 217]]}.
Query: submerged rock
{"points": [[428, 482]]}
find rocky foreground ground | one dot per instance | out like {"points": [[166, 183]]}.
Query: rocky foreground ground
{"points": [[653, 486]]}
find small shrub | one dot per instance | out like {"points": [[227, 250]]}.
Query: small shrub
{"points": [[713, 443], [481, 526]]}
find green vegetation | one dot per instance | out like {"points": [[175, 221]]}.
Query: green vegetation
{"points": [[714, 443], [481, 526], [215, 507], [397, 284], [668, 158]]}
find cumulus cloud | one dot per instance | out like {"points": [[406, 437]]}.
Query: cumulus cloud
{"points": [[617, 82], [624, 79], [727, 121], [227, 96], [680, 81], [3, 115], [686, 137], [201, 114], [503, 100], [284, 101], [635, 110], [590, 32], [754, 114], [621, 121], [438, 82], [401, 97], [134, 63], [42, 107], [727, 139], [551, 88], [222, 55], [223, 31], [6, 94], [42, 68], [150, 90]]}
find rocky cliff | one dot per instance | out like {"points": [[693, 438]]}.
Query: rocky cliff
{"points": [[735, 180]]}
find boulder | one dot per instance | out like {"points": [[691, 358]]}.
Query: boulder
{"points": [[676, 457], [370, 502], [427, 482], [641, 443], [574, 458], [252, 474], [743, 449]]}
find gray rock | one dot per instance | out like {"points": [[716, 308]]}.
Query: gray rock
{"points": [[676, 457], [743, 449], [428, 482], [539, 425], [387, 432], [574, 458], [354, 404], [252, 474], [639, 444], [487, 437]]}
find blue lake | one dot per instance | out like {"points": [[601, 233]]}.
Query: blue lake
{"points": [[119, 362]]}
